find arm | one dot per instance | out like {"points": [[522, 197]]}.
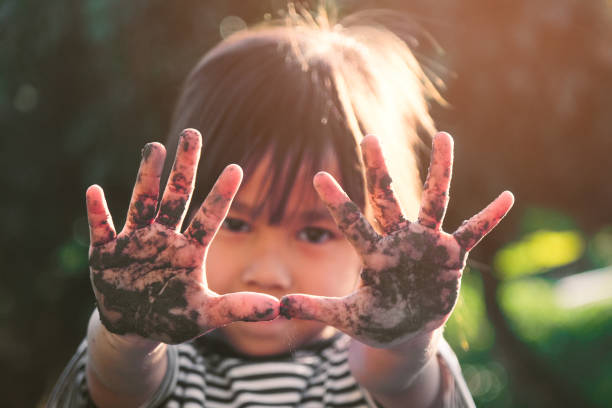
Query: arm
{"points": [[122, 371], [149, 280], [409, 282], [407, 372]]}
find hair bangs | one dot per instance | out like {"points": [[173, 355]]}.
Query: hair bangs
{"points": [[263, 108]]}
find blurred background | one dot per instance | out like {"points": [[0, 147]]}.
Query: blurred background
{"points": [[84, 84]]}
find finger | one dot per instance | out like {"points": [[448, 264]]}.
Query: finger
{"points": [[435, 191], [214, 209], [387, 210], [347, 215], [339, 312], [101, 228], [474, 229], [181, 181], [241, 306], [146, 190]]}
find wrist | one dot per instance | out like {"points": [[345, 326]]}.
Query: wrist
{"points": [[122, 364], [122, 370], [424, 345], [397, 369], [126, 345]]}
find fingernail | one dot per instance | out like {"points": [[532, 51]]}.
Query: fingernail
{"points": [[146, 151], [285, 307]]}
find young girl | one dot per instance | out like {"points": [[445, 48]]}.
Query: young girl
{"points": [[274, 294]]}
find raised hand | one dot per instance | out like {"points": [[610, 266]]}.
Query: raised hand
{"points": [[149, 279], [412, 271]]}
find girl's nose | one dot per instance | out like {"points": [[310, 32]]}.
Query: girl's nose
{"points": [[268, 272]]}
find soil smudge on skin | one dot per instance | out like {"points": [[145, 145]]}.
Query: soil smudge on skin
{"points": [[144, 212], [257, 316], [413, 284], [197, 231], [171, 212], [147, 312], [159, 308], [179, 182], [146, 151], [286, 307], [350, 225], [412, 287]]}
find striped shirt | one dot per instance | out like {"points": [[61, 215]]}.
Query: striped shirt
{"points": [[206, 373]]}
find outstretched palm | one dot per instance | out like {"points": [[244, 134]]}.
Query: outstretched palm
{"points": [[149, 279], [412, 272]]}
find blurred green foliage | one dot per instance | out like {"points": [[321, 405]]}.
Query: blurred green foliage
{"points": [[86, 83], [575, 342], [472, 337], [573, 338], [600, 247], [537, 251]]}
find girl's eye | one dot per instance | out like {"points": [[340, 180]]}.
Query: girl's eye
{"points": [[236, 225], [315, 235]]}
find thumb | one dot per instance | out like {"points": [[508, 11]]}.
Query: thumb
{"points": [[241, 306], [334, 311]]}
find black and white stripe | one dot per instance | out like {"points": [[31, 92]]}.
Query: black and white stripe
{"points": [[205, 374], [303, 379]]}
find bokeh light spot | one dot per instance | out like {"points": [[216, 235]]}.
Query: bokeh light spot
{"points": [[539, 251], [230, 25], [72, 259], [26, 98]]}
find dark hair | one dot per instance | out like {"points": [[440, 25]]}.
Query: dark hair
{"points": [[305, 93]]}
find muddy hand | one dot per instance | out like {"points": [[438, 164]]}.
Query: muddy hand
{"points": [[412, 272], [150, 279]]}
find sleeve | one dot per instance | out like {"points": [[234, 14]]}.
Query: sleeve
{"points": [[70, 391], [455, 393]]}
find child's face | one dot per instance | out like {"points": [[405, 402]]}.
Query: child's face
{"points": [[304, 253]]}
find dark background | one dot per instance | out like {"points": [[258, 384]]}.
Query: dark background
{"points": [[85, 83]]}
